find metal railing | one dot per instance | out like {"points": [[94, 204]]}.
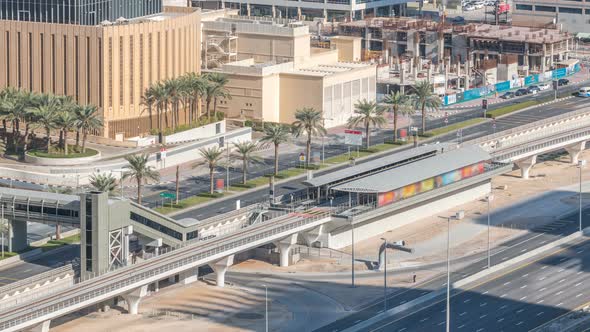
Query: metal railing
{"points": [[137, 275], [531, 125], [12, 287]]}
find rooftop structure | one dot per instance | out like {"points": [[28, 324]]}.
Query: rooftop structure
{"points": [[571, 16], [273, 71]]}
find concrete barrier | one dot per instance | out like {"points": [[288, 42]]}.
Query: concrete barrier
{"points": [[61, 161], [460, 283], [47, 239]]}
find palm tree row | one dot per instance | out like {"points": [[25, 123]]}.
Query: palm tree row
{"points": [[48, 112], [167, 98]]}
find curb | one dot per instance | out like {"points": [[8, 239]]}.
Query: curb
{"points": [[460, 283]]}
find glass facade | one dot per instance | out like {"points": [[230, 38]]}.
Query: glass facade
{"points": [[83, 12]]}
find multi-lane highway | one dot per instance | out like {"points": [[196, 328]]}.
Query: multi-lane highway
{"points": [[519, 300], [536, 238]]}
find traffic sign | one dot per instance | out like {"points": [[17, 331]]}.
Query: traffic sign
{"points": [[163, 153], [302, 157], [353, 137], [168, 195], [414, 129]]}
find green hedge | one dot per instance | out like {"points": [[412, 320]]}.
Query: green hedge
{"points": [[59, 153]]}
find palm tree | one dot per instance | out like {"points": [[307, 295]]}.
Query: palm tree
{"points": [[368, 113], [425, 99], [214, 90], [172, 87], [276, 134], [310, 122], [45, 115], [245, 153], [65, 120], [140, 171], [148, 100], [212, 158], [198, 88], [399, 102], [87, 120], [104, 182]]}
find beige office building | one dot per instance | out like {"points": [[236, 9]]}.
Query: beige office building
{"points": [[108, 65], [273, 71]]}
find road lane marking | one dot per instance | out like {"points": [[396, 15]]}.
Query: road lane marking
{"points": [[483, 316], [525, 275], [519, 323], [540, 301], [542, 278], [507, 283], [580, 251], [544, 267], [578, 284], [466, 301], [579, 272], [460, 327], [561, 270], [500, 320], [559, 304], [402, 329], [504, 307], [579, 295], [559, 293], [539, 314], [522, 298], [441, 323], [463, 313], [563, 259], [543, 242], [358, 321], [483, 304], [504, 295], [521, 287], [479, 330], [504, 258], [523, 250], [484, 293], [560, 281], [424, 319], [542, 289], [519, 311]]}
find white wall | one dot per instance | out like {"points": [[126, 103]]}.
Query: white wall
{"points": [[363, 232], [206, 131]]}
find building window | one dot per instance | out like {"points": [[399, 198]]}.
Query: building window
{"points": [[30, 61], [76, 68], [65, 48], [100, 74], [131, 71], [155, 225], [587, 11], [42, 48], [545, 9], [523, 7], [570, 10], [121, 72], [18, 60], [88, 233], [7, 58], [110, 71], [88, 70]]}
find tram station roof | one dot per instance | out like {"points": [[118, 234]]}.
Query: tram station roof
{"points": [[363, 169], [423, 169]]}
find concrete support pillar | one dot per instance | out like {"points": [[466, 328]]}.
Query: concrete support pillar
{"points": [[362, 14], [17, 236], [299, 13], [274, 11], [284, 246], [525, 165], [391, 11], [189, 276], [248, 8], [313, 235], [43, 327], [325, 15], [220, 267], [351, 15], [575, 150], [133, 298]]}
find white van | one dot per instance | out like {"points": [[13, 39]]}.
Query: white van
{"points": [[584, 92]]}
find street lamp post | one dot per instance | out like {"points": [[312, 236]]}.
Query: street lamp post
{"points": [[458, 215], [489, 198], [581, 164], [385, 276], [266, 307], [352, 240]]}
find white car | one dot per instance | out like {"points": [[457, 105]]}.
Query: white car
{"points": [[478, 5], [468, 7], [544, 86]]}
